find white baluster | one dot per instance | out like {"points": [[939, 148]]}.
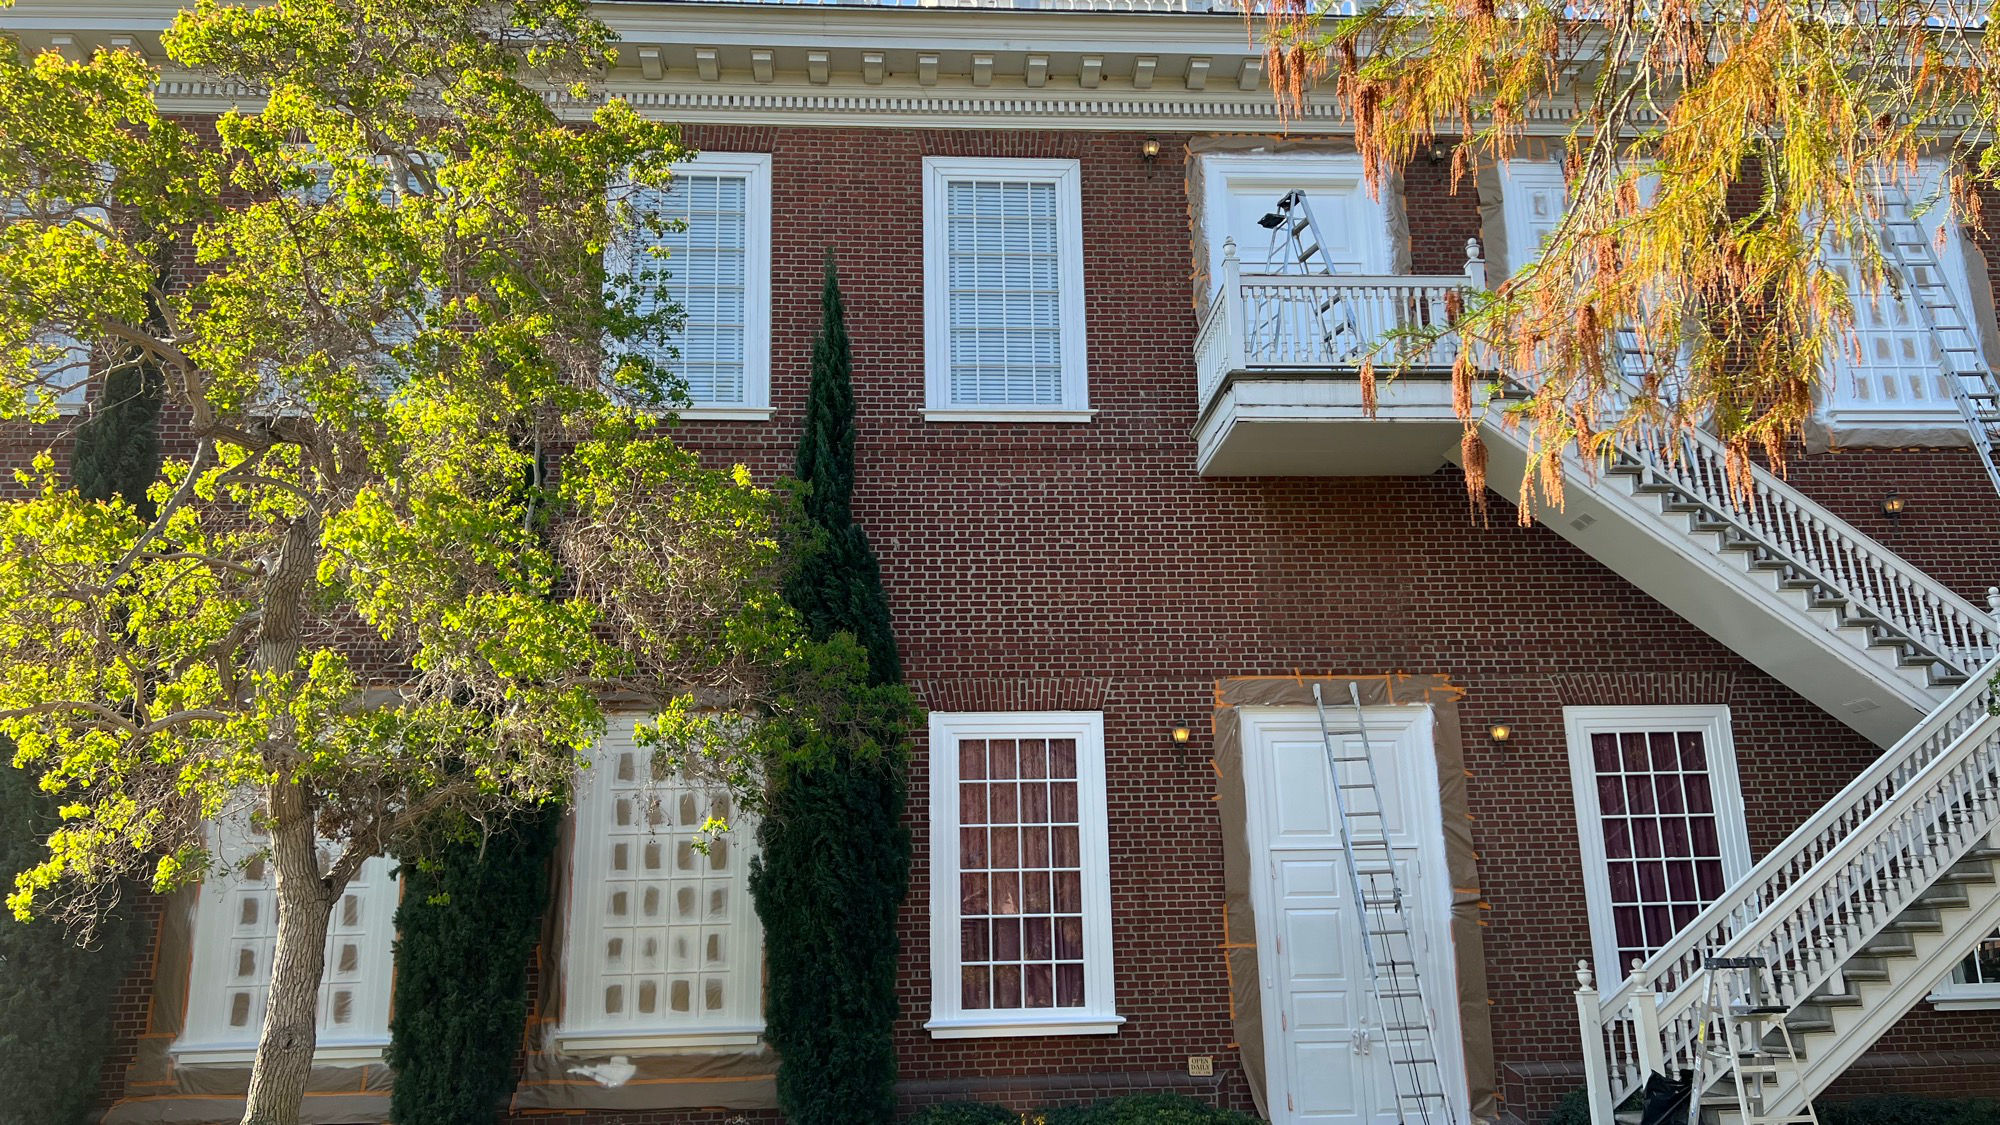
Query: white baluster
{"points": [[1646, 1024], [1590, 1020]]}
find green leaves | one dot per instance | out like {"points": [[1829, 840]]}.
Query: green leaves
{"points": [[423, 529]]}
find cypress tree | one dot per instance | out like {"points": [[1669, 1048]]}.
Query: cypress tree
{"points": [[118, 445], [56, 996], [835, 855], [469, 919]]}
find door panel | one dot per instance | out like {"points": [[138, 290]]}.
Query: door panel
{"points": [[1330, 1066]]}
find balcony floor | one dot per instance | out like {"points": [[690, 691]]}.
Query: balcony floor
{"points": [[1311, 424]]}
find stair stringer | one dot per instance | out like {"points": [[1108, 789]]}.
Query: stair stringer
{"points": [[1837, 666], [1826, 1054]]}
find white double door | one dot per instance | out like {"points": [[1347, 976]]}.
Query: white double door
{"points": [[1326, 1059]]}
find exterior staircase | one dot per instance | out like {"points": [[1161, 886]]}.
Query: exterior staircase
{"points": [[1795, 589], [1858, 914]]}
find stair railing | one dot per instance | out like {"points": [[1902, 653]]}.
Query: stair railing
{"points": [[1825, 547], [1817, 898]]}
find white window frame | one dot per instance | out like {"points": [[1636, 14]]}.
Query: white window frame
{"points": [[582, 939], [1224, 175], [1953, 260], [207, 1039], [1726, 793], [1955, 994], [949, 1020], [939, 171], [755, 168]]}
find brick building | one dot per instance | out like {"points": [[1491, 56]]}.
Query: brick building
{"points": [[1129, 512]]}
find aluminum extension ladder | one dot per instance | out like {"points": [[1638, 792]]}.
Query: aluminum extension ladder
{"points": [[1742, 1050], [1298, 247], [1908, 246], [1387, 939]]}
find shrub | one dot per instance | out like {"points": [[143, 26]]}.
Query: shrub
{"points": [[1574, 1109], [1902, 1109], [966, 1113], [1136, 1109]]}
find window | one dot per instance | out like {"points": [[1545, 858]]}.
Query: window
{"points": [[718, 270], [1975, 983], [664, 947], [1003, 290], [1897, 377], [1533, 197], [236, 933], [1661, 823], [1020, 881], [64, 363]]}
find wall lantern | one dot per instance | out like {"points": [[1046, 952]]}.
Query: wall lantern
{"points": [[1182, 733], [1149, 149], [1892, 506], [1500, 732]]}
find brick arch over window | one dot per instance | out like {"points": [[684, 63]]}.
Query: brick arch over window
{"points": [[1239, 920]]}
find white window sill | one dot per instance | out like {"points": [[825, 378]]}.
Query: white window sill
{"points": [[1028, 1023], [726, 413], [1965, 1000], [1003, 415], [326, 1054], [631, 1042]]}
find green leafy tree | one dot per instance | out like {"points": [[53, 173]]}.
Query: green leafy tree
{"points": [[345, 617], [835, 854], [1718, 158], [471, 914]]}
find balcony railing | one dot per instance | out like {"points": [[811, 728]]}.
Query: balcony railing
{"points": [[1326, 324]]}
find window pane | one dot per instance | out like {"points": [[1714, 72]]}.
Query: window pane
{"points": [[1003, 293], [706, 273], [1655, 797], [1021, 887], [662, 916]]}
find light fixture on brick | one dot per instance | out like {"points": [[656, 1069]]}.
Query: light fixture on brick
{"points": [[1149, 149], [1892, 506], [1182, 734], [1500, 732]]}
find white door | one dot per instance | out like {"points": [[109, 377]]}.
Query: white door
{"points": [[1326, 1061], [1243, 189]]}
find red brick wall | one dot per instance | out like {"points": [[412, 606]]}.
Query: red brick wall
{"points": [[1090, 562]]}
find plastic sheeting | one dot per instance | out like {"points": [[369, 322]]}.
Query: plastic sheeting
{"points": [[1239, 920], [161, 1090], [555, 1077]]}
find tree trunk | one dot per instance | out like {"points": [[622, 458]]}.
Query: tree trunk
{"points": [[305, 894], [291, 1016]]}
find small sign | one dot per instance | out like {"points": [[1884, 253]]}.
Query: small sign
{"points": [[1201, 1066]]}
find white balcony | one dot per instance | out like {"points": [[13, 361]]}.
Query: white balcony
{"points": [[1278, 362]]}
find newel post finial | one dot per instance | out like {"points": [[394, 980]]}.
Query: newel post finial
{"points": [[1584, 977], [1475, 264], [1993, 598]]}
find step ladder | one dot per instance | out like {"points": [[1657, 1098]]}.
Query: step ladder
{"points": [[1297, 248], [1743, 1042], [1387, 941], [1907, 245]]}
